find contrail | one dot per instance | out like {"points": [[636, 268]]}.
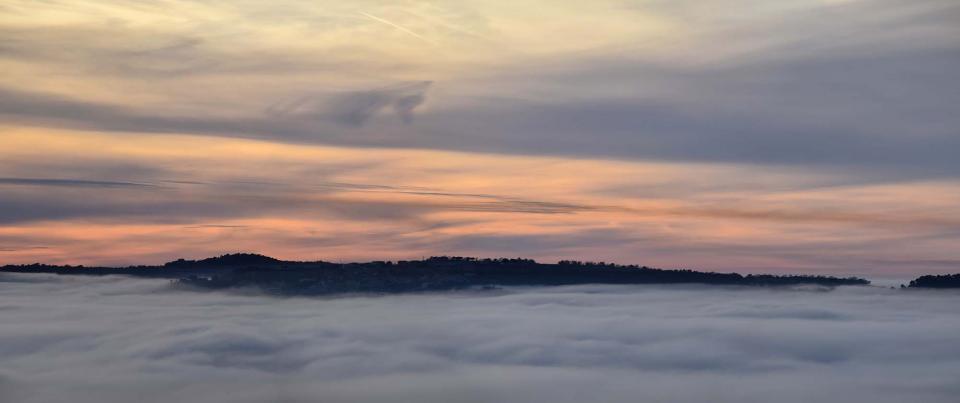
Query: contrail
{"points": [[381, 20], [446, 24]]}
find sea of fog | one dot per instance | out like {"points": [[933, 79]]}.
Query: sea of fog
{"points": [[114, 339]]}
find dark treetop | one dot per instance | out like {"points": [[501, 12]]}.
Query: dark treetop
{"points": [[433, 274]]}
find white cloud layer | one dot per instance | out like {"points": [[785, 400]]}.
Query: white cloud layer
{"points": [[76, 339]]}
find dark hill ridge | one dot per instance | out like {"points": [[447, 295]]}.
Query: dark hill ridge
{"points": [[943, 281], [433, 274], [230, 260]]}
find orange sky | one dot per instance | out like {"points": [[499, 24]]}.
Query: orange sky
{"points": [[734, 136]]}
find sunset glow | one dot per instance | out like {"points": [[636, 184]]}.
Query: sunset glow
{"points": [[793, 136]]}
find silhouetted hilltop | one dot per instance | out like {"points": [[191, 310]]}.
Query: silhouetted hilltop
{"points": [[433, 274], [229, 260], [942, 281]]}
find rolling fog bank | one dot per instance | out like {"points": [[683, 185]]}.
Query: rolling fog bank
{"points": [[94, 339]]}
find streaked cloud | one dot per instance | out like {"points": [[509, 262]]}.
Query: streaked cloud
{"points": [[67, 182], [357, 107], [203, 196], [676, 133]]}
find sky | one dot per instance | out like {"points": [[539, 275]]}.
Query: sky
{"points": [[687, 344], [813, 136]]}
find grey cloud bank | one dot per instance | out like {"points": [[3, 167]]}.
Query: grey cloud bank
{"points": [[866, 85], [117, 339]]}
